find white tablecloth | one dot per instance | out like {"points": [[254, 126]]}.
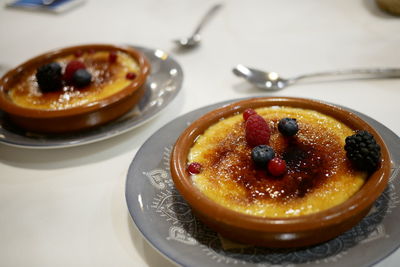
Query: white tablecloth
{"points": [[66, 207]]}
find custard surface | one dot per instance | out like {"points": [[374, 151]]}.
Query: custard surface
{"points": [[107, 79], [318, 177]]}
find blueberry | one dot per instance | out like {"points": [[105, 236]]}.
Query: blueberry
{"points": [[262, 154], [288, 126], [49, 77], [81, 78]]}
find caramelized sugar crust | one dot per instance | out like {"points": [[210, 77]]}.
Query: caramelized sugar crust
{"points": [[107, 79], [318, 177]]}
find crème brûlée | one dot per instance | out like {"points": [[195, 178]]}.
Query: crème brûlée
{"points": [[108, 77], [319, 175]]}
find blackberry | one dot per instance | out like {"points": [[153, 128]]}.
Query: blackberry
{"points": [[362, 149], [262, 154], [288, 126], [49, 77], [81, 78]]}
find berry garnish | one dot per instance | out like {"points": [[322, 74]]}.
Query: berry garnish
{"points": [[78, 53], [81, 78], [131, 75], [362, 149], [71, 67], [112, 57], [248, 112], [288, 126], [276, 167], [262, 154], [49, 77], [257, 131], [194, 168]]}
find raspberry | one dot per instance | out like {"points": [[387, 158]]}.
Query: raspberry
{"points": [[112, 57], [248, 112], [71, 68], [276, 167], [131, 75], [257, 131], [78, 53], [194, 168]]}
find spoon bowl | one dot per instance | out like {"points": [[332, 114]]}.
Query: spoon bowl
{"points": [[266, 80], [195, 39], [188, 42]]}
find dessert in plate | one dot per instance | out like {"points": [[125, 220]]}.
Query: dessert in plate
{"points": [[74, 88], [280, 172]]}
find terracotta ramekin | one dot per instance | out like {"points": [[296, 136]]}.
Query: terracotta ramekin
{"points": [[77, 118], [277, 232]]}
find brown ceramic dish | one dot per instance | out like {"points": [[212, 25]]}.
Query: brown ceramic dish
{"points": [[87, 115], [294, 231]]}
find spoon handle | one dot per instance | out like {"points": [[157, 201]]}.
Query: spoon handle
{"points": [[374, 72], [206, 18]]}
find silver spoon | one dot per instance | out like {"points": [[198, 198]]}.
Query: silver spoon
{"points": [[195, 38], [272, 81]]}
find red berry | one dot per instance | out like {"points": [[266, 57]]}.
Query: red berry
{"points": [[71, 68], [257, 131], [248, 112], [276, 167], [131, 75], [78, 53], [112, 57], [194, 168]]}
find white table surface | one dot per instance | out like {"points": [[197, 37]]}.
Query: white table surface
{"points": [[66, 207]]}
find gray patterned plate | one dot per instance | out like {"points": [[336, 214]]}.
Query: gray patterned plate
{"points": [[163, 84], [167, 222]]}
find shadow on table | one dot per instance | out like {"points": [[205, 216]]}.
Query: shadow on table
{"points": [[73, 156]]}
